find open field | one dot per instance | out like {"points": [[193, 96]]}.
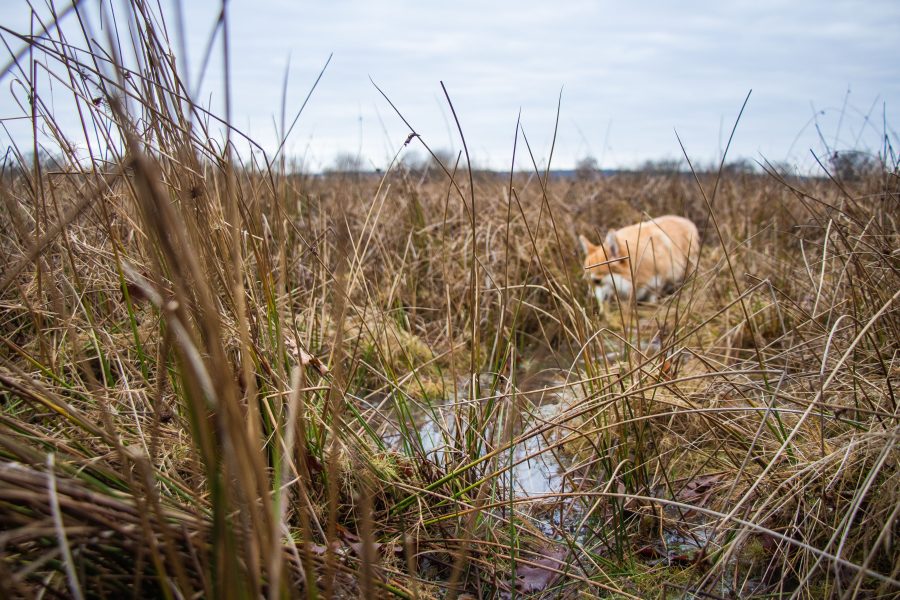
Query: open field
{"points": [[223, 379]]}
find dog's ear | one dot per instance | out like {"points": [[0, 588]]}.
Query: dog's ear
{"points": [[586, 245], [612, 245]]}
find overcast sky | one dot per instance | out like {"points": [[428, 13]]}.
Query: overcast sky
{"points": [[631, 74]]}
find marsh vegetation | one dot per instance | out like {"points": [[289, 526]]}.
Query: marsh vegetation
{"points": [[221, 378]]}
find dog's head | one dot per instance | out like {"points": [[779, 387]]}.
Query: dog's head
{"points": [[606, 267]]}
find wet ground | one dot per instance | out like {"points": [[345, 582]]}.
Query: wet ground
{"points": [[541, 468]]}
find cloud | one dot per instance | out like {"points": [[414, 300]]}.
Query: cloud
{"points": [[635, 71]]}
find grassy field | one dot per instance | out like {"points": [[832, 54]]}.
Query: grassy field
{"points": [[224, 379]]}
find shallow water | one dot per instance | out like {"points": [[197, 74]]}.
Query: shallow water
{"points": [[535, 472]]}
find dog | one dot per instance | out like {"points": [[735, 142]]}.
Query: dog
{"points": [[644, 260]]}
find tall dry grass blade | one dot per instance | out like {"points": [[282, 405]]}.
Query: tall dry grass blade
{"points": [[61, 539]]}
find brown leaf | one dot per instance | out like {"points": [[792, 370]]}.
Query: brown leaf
{"points": [[306, 359], [698, 490], [541, 572], [135, 292]]}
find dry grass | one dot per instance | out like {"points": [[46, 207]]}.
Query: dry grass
{"points": [[215, 376]]}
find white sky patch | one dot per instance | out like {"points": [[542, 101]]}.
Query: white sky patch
{"points": [[630, 75]]}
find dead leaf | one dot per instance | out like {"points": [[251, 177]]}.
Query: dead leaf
{"points": [[306, 359], [698, 490], [541, 572]]}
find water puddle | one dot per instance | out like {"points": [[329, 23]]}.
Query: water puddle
{"points": [[541, 470], [534, 472]]}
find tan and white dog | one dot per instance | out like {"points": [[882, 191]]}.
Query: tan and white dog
{"points": [[645, 259]]}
